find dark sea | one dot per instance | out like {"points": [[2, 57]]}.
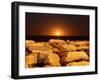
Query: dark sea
{"points": [[47, 38]]}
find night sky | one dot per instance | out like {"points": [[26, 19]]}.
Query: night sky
{"points": [[56, 24]]}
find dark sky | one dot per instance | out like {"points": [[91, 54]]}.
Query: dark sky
{"points": [[57, 24]]}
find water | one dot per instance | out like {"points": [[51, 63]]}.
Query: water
{"points": [[46, 38]]}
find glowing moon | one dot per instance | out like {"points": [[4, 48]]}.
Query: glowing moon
{"points": [[58, 33]]}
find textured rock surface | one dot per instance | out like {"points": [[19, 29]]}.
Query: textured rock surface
{"points": [[56, 52]]}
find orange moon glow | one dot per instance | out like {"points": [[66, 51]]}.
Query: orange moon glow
{"points": [[58, 33]]}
